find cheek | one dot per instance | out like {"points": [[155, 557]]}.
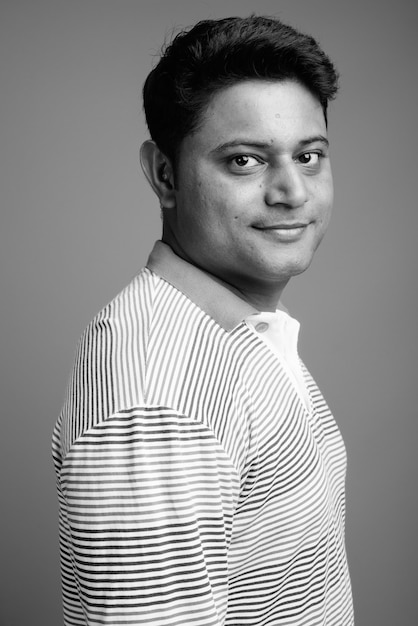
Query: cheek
{"points": [[323, 193], [329, 191], [209, 201], [324, 215], [198, 214]]}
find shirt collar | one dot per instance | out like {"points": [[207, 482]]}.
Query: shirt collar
{"points": [[209, 293]]}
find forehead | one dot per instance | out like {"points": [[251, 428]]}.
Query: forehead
{"points": [[276, 111]]}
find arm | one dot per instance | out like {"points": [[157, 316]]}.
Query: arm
{"points": [[147, 500]]}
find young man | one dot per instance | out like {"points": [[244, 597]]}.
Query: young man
{"points": [[200, 472]]}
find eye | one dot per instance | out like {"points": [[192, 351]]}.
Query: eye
{"points": [[243, 162], [309, 158]]}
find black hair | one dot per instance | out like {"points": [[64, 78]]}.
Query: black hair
{"points": [[215, 54]]}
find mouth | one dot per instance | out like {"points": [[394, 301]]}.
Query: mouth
{"points": [[289, 231], [281, 226]]}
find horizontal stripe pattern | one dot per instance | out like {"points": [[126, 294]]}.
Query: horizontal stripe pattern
{"points": [[195, 487]]}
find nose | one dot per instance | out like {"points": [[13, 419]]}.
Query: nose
{"points": [[287, 187]]}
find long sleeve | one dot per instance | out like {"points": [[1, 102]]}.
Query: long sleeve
{"points": [[147, 501]]}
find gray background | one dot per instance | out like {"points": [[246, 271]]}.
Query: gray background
{"points": [[77, 222]]}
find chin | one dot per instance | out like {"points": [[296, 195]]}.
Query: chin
{"points": [[285, 270]]}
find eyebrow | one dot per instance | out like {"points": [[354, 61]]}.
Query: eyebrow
{"points": [[244, 141], [314, 139]]}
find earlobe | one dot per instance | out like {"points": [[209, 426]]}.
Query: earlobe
{"points": [[159, 173]]}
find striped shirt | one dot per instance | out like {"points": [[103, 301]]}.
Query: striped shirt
{"points": [[197, 486]]}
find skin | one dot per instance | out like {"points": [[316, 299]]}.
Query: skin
{"points": [[253, 191]]}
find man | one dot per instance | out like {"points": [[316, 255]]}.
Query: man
{"points": [[200, 472]]}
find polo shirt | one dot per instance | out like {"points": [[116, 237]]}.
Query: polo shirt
{"points": [[200, 473]]}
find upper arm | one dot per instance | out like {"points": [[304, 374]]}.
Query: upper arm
{"points": [[148, 498]]}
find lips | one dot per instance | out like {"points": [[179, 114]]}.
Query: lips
{"points": [[285, 226], [283, 232]]}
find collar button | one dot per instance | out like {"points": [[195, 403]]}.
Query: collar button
{"points": [[261, 327]]}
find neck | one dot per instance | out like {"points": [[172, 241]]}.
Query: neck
{"points": [[263, 299]]}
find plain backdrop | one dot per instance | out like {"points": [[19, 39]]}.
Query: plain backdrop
{"points": [[78, 221]]}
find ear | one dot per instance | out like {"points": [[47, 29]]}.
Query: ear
{"points": [[159, 172]]}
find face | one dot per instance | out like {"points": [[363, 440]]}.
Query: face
{"points": [[253, 186]]}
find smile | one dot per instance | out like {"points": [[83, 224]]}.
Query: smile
{"points": [[284, 232]]}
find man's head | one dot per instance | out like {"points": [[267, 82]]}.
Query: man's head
{"points": [[215, 54], [239, 152]]}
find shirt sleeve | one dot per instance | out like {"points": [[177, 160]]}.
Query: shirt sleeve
{"points": [[147, 502]]}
